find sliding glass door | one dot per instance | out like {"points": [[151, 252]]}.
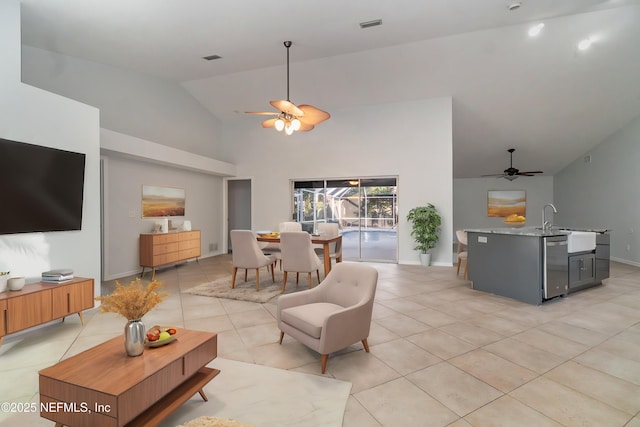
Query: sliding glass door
{"points": [[364, 208]]}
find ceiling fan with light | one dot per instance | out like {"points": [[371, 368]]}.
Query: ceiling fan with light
{"points": [[292, 118], [512, 173]]}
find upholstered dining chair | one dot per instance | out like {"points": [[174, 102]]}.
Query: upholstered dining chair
{"points": [[335, 248], [298, 256], [274, 248], [463, 255], [334, 314], [247, 254]]}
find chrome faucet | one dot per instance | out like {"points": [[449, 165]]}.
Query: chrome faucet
{"points": [[546, 225]]}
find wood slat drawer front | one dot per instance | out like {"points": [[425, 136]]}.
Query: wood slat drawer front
{"points": [[166, 248], [3, 309], [190, 253], [189, 244], [28, 310], [190, 235], [201, 356], [165, 238], [144, 394], [167, 258]]}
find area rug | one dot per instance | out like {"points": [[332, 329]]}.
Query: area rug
{"points": [[246, 291], [214, 422], [263, 397]]}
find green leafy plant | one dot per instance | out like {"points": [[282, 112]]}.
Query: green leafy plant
{"points": [[426, 226]]}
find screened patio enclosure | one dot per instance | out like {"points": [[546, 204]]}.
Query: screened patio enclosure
{"points": [[364, 208]]}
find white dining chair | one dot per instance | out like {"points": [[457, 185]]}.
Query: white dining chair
{"points": [[463, 255], [298, 256], [247, 254], [335, 248]]}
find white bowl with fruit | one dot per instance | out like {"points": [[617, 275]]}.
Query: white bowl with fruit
{"points": [[158, 336]]}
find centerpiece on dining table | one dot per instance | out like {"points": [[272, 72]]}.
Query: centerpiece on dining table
{"points": [[132, 302]]}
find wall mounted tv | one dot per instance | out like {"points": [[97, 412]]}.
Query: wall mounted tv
{"points": [[41, 188]]}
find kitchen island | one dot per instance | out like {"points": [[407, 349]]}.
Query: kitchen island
{"points": [[534, 265]]}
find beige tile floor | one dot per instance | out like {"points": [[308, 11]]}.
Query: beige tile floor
{"points": [[441, 353]]}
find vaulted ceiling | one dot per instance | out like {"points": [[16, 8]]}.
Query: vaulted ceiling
{"points": [[540, 95]]}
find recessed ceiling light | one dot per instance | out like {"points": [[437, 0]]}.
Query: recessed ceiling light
{"points": [[515, 6], [536, 29], [369, 24], [585, 44], [211, 57]]}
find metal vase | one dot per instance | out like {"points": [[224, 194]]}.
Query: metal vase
{"points": [[134, 334]]}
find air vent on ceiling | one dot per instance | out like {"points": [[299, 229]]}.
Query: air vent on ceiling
{"points": [[373, 23], [211, 57]]}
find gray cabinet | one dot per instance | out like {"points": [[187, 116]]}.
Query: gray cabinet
{"points": [[602, 256], [582, 270]]}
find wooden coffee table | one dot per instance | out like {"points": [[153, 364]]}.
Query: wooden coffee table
{"points": [[103, 387]]}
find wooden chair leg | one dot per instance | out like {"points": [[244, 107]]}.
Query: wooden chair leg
{"points": [[366, 345], [318, 274], [324, 362], [284, 282], [458, 271], [297, 278], [245, 274], [281, 336], [466, 265], [309, 279], [233, 277], [257, 279], [273, 274]]}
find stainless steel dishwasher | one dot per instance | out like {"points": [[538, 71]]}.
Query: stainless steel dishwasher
{"points": [[556, 266]]}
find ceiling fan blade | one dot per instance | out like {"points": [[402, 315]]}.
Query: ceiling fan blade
{"points": [[287, 107], [269, 123], [313, 115], [305, 127], [497, 175], [263, 113], [529, 173]]}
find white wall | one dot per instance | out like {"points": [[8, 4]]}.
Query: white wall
{"points": [[123, 223], [32, 115], [131, 103], [606, 192], [470, 200], [412, 140]]}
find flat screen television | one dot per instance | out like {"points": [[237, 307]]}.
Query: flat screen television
{"points": [[41, 188]]}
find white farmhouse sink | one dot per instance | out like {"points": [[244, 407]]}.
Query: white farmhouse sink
{"points": [[580, 241]]}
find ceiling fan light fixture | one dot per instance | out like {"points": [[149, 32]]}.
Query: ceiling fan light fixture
{"points": [[279, 125], [295, 124], [288, 128]]}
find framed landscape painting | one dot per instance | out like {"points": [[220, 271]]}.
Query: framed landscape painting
{"points": [[502, 203], [162, 201]]}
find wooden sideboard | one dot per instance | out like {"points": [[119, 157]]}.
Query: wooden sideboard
{"points": [[103, 387], [157, 249], [42, 302]]}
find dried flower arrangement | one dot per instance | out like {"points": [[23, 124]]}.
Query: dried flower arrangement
{"points": [[133, 300]]}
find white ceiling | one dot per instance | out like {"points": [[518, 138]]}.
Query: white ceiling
{"points": [[540, 95]]}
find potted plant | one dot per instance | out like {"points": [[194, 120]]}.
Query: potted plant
{"points": [[426, 228]]}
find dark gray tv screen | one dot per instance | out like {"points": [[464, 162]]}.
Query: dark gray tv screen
{"points": [[41, 188]]}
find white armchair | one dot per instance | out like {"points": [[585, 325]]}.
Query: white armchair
{"points": [[334, 314]]}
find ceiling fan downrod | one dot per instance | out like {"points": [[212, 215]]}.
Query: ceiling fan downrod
{"points": [[287, 44]]}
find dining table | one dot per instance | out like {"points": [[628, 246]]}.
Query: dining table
{"points": [[318, 239]]}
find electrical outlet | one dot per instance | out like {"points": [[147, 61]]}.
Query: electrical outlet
{"points": [[482, 239]]}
